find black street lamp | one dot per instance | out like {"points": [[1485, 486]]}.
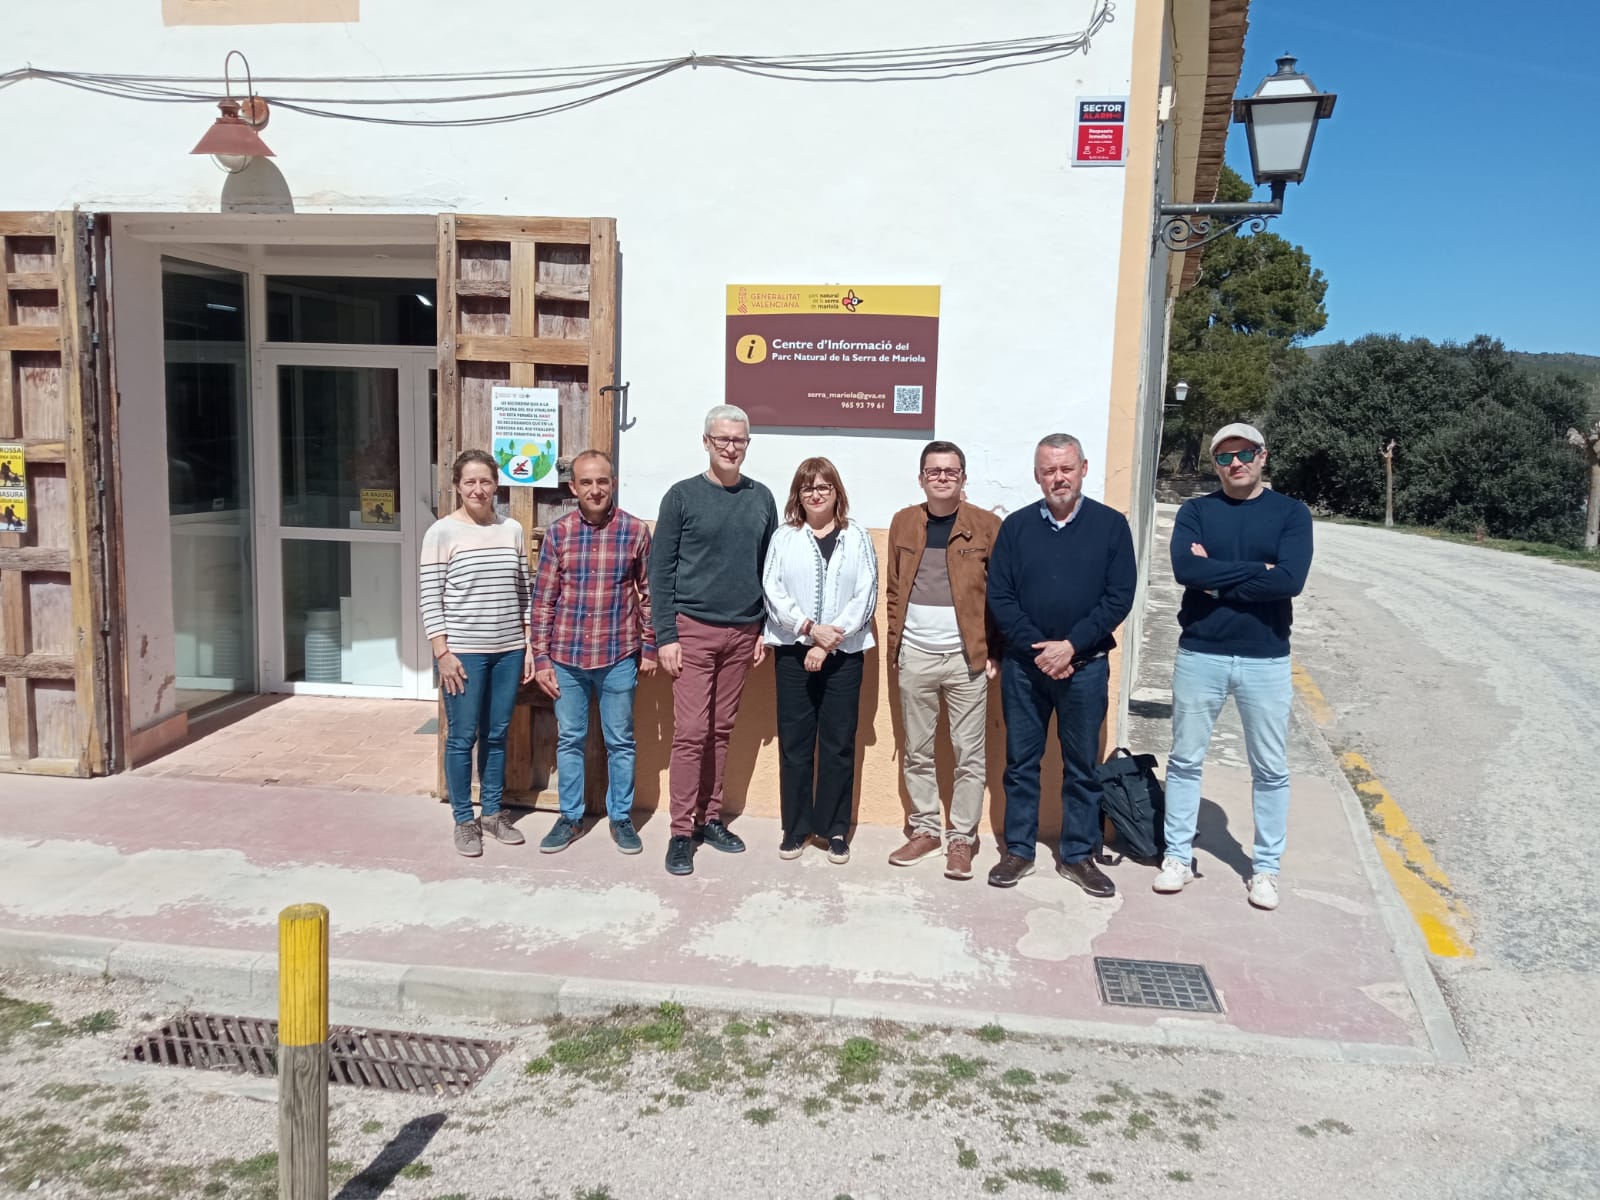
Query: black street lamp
{"points": [[1280, 121]]}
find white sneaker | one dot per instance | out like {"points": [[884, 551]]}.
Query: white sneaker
{"points": [[1264, 890], [1173, 876]]}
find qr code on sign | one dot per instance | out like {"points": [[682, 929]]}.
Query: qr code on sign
{"points": [[908, 399]]}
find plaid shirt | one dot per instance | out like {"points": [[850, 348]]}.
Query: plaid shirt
{"points": [[591, 599]]}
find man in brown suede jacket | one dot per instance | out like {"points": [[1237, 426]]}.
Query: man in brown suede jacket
{"points": [[941, 642]]}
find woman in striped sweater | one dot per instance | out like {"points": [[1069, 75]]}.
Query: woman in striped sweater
{"points": [[475, 610]]}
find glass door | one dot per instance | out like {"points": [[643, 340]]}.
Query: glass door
{"points": [[209, 483], [341, 521]]}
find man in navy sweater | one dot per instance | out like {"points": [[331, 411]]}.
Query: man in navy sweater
{"points": [[1242, 554], [1061, 579]]}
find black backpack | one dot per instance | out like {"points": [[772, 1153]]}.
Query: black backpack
{"points": [[1133, 800]]}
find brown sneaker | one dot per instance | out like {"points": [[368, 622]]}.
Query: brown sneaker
{"points": [[1089, 877], [958, 860], [469, 839], [921, 846], [501, 830]]}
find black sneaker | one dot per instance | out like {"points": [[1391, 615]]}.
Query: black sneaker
{"points": [[792, 846], [719, 837], [626, 836], [680, 856], [838, 850]]}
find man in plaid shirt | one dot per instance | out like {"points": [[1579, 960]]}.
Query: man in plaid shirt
{"points": [[591, 633]]}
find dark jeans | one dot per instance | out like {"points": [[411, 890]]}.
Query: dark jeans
{"points": [[481, 714], [1028, 697], [817, 713]]}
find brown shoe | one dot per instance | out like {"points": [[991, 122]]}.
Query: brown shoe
{"points": [[920, 846], [1089, 877], [1010, 869], [958, 860]]}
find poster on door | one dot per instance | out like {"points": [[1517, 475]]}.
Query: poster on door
{"points": [[13, 489], [526, 430]]}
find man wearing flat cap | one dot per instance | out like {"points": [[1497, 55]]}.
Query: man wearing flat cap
{"points": [[1242, 554]]}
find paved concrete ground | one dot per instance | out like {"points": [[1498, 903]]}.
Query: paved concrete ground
{"points": [[146, 861], [311, 742]]}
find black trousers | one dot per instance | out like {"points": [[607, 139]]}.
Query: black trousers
{"points": [[817, 713]]}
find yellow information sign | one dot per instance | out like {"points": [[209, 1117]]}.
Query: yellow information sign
{"points": [[13, 489], [377, 506]]}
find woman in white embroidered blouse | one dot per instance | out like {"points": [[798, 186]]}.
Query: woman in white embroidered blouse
{"points": [[821, 585]]}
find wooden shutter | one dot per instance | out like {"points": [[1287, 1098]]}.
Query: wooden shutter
{"points": [[54, 633], [527, 302]]}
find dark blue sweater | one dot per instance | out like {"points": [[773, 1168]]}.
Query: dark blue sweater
{"points": [[1232, 603], [1076, 582]]}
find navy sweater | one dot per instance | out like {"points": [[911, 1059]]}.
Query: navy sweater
{"points": [[1076, 582], [1232, 603]]}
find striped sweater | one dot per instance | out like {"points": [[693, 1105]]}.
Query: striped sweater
{"points": [[475, 587]]}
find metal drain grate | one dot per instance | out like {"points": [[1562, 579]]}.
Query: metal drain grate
{"points": [[385, 1059], [1145, 983]]}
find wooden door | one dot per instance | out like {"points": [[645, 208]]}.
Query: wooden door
{"points": [[55, 632], [527, 302]]}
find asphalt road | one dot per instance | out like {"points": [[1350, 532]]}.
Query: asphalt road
{"points": [[1469, 679]]}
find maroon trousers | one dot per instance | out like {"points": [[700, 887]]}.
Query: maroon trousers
{"points": [[705, 701]]}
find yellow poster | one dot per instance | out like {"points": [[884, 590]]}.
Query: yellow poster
{"points": [[377, 506], [13, 489]]}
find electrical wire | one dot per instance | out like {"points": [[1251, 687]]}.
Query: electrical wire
{"points": [[595, 81]]}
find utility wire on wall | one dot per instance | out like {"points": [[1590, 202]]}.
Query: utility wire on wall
{"points": [[590, 83]]}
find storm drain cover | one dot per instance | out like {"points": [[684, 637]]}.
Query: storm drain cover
{"points": [[1146, 983], [385, 1059]]}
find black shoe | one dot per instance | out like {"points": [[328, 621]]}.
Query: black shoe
{"points": [[719, 837], [838, 850], [680, 856], [792, 846], [1089, 877], [1010, 869]]}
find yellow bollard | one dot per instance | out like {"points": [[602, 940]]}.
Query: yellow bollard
{"points": [[303, 1052]]}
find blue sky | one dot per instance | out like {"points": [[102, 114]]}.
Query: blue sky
{"points": [[1456, 190]]}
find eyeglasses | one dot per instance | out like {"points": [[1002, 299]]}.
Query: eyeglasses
{"points": [[728, 443], [941, 472], [1225, 459], [816, 489]]}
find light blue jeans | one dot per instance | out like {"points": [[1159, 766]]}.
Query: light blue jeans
{"points": [[1263, 691], [615, 685], [481, 712]]}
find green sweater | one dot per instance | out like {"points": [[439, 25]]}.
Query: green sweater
{"points": [[707, 553]]}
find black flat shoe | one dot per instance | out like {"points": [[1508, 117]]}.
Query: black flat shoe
{"points": [[1010, 869], [719, 837], [680, 856]]}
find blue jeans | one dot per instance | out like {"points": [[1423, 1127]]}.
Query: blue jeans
{"points": [[481, 713], [616, 685], [1028, 697], [1263, 691]]}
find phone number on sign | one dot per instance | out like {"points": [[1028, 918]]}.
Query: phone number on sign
{"points": [[853, 400]]}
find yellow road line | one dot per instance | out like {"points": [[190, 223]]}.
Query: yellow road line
{"points": [[1417, 876], [1311, 695]]}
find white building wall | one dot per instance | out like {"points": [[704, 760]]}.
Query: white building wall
{"points": [[714, 178]]}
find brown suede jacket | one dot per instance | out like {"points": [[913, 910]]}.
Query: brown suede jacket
{"points": [[967, 557]]}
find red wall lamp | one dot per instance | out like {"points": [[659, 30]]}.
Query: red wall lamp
{"points": [[232, 140]]}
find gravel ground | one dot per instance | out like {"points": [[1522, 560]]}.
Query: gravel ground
{"points": [[671, 1104]]}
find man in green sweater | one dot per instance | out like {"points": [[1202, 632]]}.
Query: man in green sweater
{"points": [[705, 584]]}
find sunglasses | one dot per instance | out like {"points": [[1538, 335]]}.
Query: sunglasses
{"points": [[1225, 459]]}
